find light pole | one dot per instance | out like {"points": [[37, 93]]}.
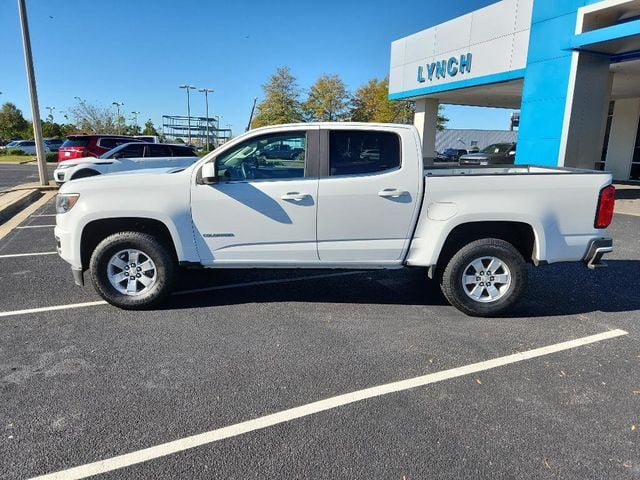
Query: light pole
{"points": [[33, 94], [187, 88], [51, 109], [135, 120], [206, 106], [118, 105]]}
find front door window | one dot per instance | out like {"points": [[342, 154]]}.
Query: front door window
{"points": [[268, 157]]}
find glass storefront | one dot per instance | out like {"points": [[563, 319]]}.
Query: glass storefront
{"points": [[635, 162]]}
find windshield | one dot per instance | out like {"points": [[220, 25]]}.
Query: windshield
{"points": [[498, 148], [109, 153]]}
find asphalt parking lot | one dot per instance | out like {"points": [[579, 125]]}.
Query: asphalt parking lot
{"points": [[87, 383], [12, 175]]}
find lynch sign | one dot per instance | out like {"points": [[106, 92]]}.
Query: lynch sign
{"points": [[445, 68]]}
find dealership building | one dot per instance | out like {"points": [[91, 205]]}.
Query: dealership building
{"points": [[572, 68]]}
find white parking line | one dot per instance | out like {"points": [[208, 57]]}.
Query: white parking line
{"points": [[34, 226], [51, 309], [45, 215], [144, 455], [14, 255], [69, 306]]}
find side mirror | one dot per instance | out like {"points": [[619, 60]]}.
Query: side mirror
{"points": [[209, 174]]}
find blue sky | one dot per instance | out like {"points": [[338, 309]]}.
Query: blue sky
{"points": [[139, 51]]}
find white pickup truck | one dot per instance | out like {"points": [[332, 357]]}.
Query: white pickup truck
{"points": [[339, 195]]}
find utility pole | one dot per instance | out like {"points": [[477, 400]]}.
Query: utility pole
{"points": [[206, 106], [118, 105], [187, 88], [253, 109], [33, 94]]}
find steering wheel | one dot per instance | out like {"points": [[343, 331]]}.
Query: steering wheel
{"points": [[248, 167]]}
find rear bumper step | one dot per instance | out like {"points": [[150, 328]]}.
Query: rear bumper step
{"points": [[597, 248]]}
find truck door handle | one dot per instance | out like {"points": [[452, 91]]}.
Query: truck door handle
{"points": [[295, 196], [391, 193]]}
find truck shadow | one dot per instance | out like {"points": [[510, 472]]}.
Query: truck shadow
{"points": [[555, 290]]}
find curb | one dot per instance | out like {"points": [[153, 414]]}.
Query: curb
{"points": [[13, 202], [17, 198]]}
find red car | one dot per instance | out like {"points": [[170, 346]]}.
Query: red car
{"points": [[79, 146]]}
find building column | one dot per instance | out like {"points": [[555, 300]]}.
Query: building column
{"points": [[426, 121], [585, 116], [622, 137]]}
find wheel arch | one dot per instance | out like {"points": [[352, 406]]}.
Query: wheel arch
{"points": [[97, 230], [84, 173], [520, 234]]}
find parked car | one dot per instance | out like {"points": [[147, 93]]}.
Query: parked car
{"points": [[54, 144], [473, 229], [27, 146], [80, 146], [128, 156], [450, 155], [496, 154], [9, 144], [148, 138], [280, 151]]}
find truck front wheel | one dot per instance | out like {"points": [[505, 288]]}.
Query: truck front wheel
{"points": [[485, 278], [132, 270]]}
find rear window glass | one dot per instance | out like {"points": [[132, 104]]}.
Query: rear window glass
{"points": [[158, 151], [357, 152], [76, 142]]}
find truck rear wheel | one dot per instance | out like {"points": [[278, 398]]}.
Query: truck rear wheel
{"points": [[485, 278], [132, 270]]}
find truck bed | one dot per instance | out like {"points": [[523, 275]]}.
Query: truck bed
{"points": [[454, 170], [559, 204]]}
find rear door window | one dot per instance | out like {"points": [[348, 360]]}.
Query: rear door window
{"points": [[131, 151], [357, 152], [158, 151]]}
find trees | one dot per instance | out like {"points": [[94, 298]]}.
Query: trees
{"points": [[328, 100], [12, 123], [149, 129], [91, 118], [282, 100], [371, 104]]}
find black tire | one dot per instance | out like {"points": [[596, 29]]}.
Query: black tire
{"points": [[84, 174], [159, 254], [459, 267]]}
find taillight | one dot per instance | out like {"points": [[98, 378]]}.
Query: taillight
{"points": [[606, 203], [68, 153]]}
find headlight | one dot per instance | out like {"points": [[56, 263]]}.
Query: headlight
{"points": [[66, 201], [63, 165]]}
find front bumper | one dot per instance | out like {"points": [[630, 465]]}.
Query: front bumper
{"points": [[78, 276], [597, 248]]}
